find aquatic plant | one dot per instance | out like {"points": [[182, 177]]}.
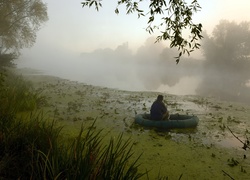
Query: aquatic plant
{"points": [[201, 101], [232, 162]]}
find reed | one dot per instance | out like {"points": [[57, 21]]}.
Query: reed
{"points": [[101, 161], [34, 149]]}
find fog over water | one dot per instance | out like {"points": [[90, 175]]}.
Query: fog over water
{"points": [[120, 68], [151, 68], [103, 49]]}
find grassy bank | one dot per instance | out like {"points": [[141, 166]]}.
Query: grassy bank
{"points": [[33, 145]]}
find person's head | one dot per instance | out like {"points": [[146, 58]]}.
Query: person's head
{"points": [[160, 98]]}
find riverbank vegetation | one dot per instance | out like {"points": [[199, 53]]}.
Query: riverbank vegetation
{"points": [[33, 146], [77, 126]]}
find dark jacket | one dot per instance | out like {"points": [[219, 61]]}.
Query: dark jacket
{"points": [[158, 109]]}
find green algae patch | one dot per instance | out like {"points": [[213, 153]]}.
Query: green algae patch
{"points": [[208, 151]]}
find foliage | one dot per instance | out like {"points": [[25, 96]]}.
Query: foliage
{"points": [[2, 79], [178, 18], [19, 21], [6, 60], [226, 69], [229, 42]]}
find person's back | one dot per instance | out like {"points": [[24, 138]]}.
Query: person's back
{"points": [[158, 109]]}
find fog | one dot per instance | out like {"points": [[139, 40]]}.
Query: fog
{"points": [[103, 67], [150, 68], [100, 48]]}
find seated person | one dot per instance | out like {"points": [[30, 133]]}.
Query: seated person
{"points": [[159, 110]]}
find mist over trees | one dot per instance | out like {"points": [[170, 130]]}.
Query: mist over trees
{"points": [[19, 22], [156, 65], [226, 70], [109, 67], [151, 66], [223, 72], [168, 16]]}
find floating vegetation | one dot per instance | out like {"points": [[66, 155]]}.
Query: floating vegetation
{"points": [[201, 102], [217, 107], [232, 162], [167, 150], [89, 118], [232, 119]]}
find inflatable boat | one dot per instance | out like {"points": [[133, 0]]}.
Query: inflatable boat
{"points": [[175, 121]]}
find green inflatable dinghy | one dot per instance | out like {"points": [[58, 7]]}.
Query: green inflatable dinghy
{"points": [[175, 121]]}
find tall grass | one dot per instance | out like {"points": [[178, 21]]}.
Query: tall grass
{"points": [[32, 147], [22, 140], [18, 94], [110, 161]]}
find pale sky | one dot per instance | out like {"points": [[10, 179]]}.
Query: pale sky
{"points": [[72, 30], [71, 27]]}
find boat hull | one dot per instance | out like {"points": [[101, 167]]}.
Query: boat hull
{"points": [[175, 121]]}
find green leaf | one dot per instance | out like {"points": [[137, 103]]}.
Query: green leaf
{"points": [[117, 11]]}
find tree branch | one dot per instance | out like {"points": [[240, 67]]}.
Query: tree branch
{"points": [[227, 174], [245, 144]]}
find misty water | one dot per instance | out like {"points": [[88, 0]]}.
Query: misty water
{"points": [[151, 68], [118, 68], [126, 83], [208, 148], [198, 152]]}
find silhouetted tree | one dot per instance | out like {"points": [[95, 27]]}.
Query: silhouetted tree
{"points": [[6, 60], [174, 17], [227, 65], [19, 22]]}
